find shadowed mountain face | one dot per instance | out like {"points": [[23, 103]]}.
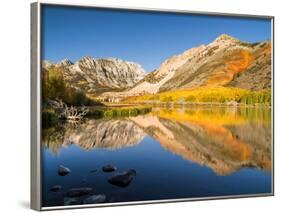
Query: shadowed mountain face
{"points": [[224, 140], [258, 74]]}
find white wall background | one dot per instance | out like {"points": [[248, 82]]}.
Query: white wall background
{"points": [[15, 104]]}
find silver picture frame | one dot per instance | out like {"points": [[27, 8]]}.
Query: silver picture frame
{"points": [[36, 167]]}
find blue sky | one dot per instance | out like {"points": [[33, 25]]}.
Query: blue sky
{"points": [[142, 37]]}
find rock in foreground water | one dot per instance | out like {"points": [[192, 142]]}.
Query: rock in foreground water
{"points": [[109, 168], [63, 170], [71, 201], [122, 179], [95, 199], [55, 188], [77, 192]]}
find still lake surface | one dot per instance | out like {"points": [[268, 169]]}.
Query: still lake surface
{"points": [[176, 153]]}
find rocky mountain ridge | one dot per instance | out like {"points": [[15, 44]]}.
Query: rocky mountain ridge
{"points": [[99, 75], [226, 61], [221, 62]]}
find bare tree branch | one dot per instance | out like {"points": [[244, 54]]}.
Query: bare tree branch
{"points": [[68, 112]]}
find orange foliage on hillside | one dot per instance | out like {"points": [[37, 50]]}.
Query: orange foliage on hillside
{"points": [[237, 62]]}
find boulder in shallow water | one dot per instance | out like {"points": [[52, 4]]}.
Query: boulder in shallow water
{"points": [[109, 168], [63, 170], [77, 192], [95, 199], [71, 201], [55, 188], [122, 179]]}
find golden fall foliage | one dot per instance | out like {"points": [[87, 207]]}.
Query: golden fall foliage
{"points": [[206, 95], [237, 62]]}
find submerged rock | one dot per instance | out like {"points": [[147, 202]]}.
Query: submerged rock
{"points": [[77, 192], [71, 201], [63, 170], [122, 179], [95, 199], [109, 168], [55, 188]]}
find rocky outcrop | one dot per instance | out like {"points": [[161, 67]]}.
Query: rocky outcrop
{"points": [[100, 198], [122, 179], [155, 80], [56, 188], [78, 192], [62, 171], [99, 75], [109, 168]]}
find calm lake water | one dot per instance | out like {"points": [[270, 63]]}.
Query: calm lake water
{"points": [[176, 153]]}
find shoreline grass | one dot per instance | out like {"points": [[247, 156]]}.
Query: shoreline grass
{"points": [[51, 118], [104, 112]]}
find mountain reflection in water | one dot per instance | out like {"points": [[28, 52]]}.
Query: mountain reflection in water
{"points": [[111, 134], [223, 139]]}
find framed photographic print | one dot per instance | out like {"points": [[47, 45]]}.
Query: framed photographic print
{"points": [[135, 106]]}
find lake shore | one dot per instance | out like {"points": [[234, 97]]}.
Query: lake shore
{"points": [[192, 104]]}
